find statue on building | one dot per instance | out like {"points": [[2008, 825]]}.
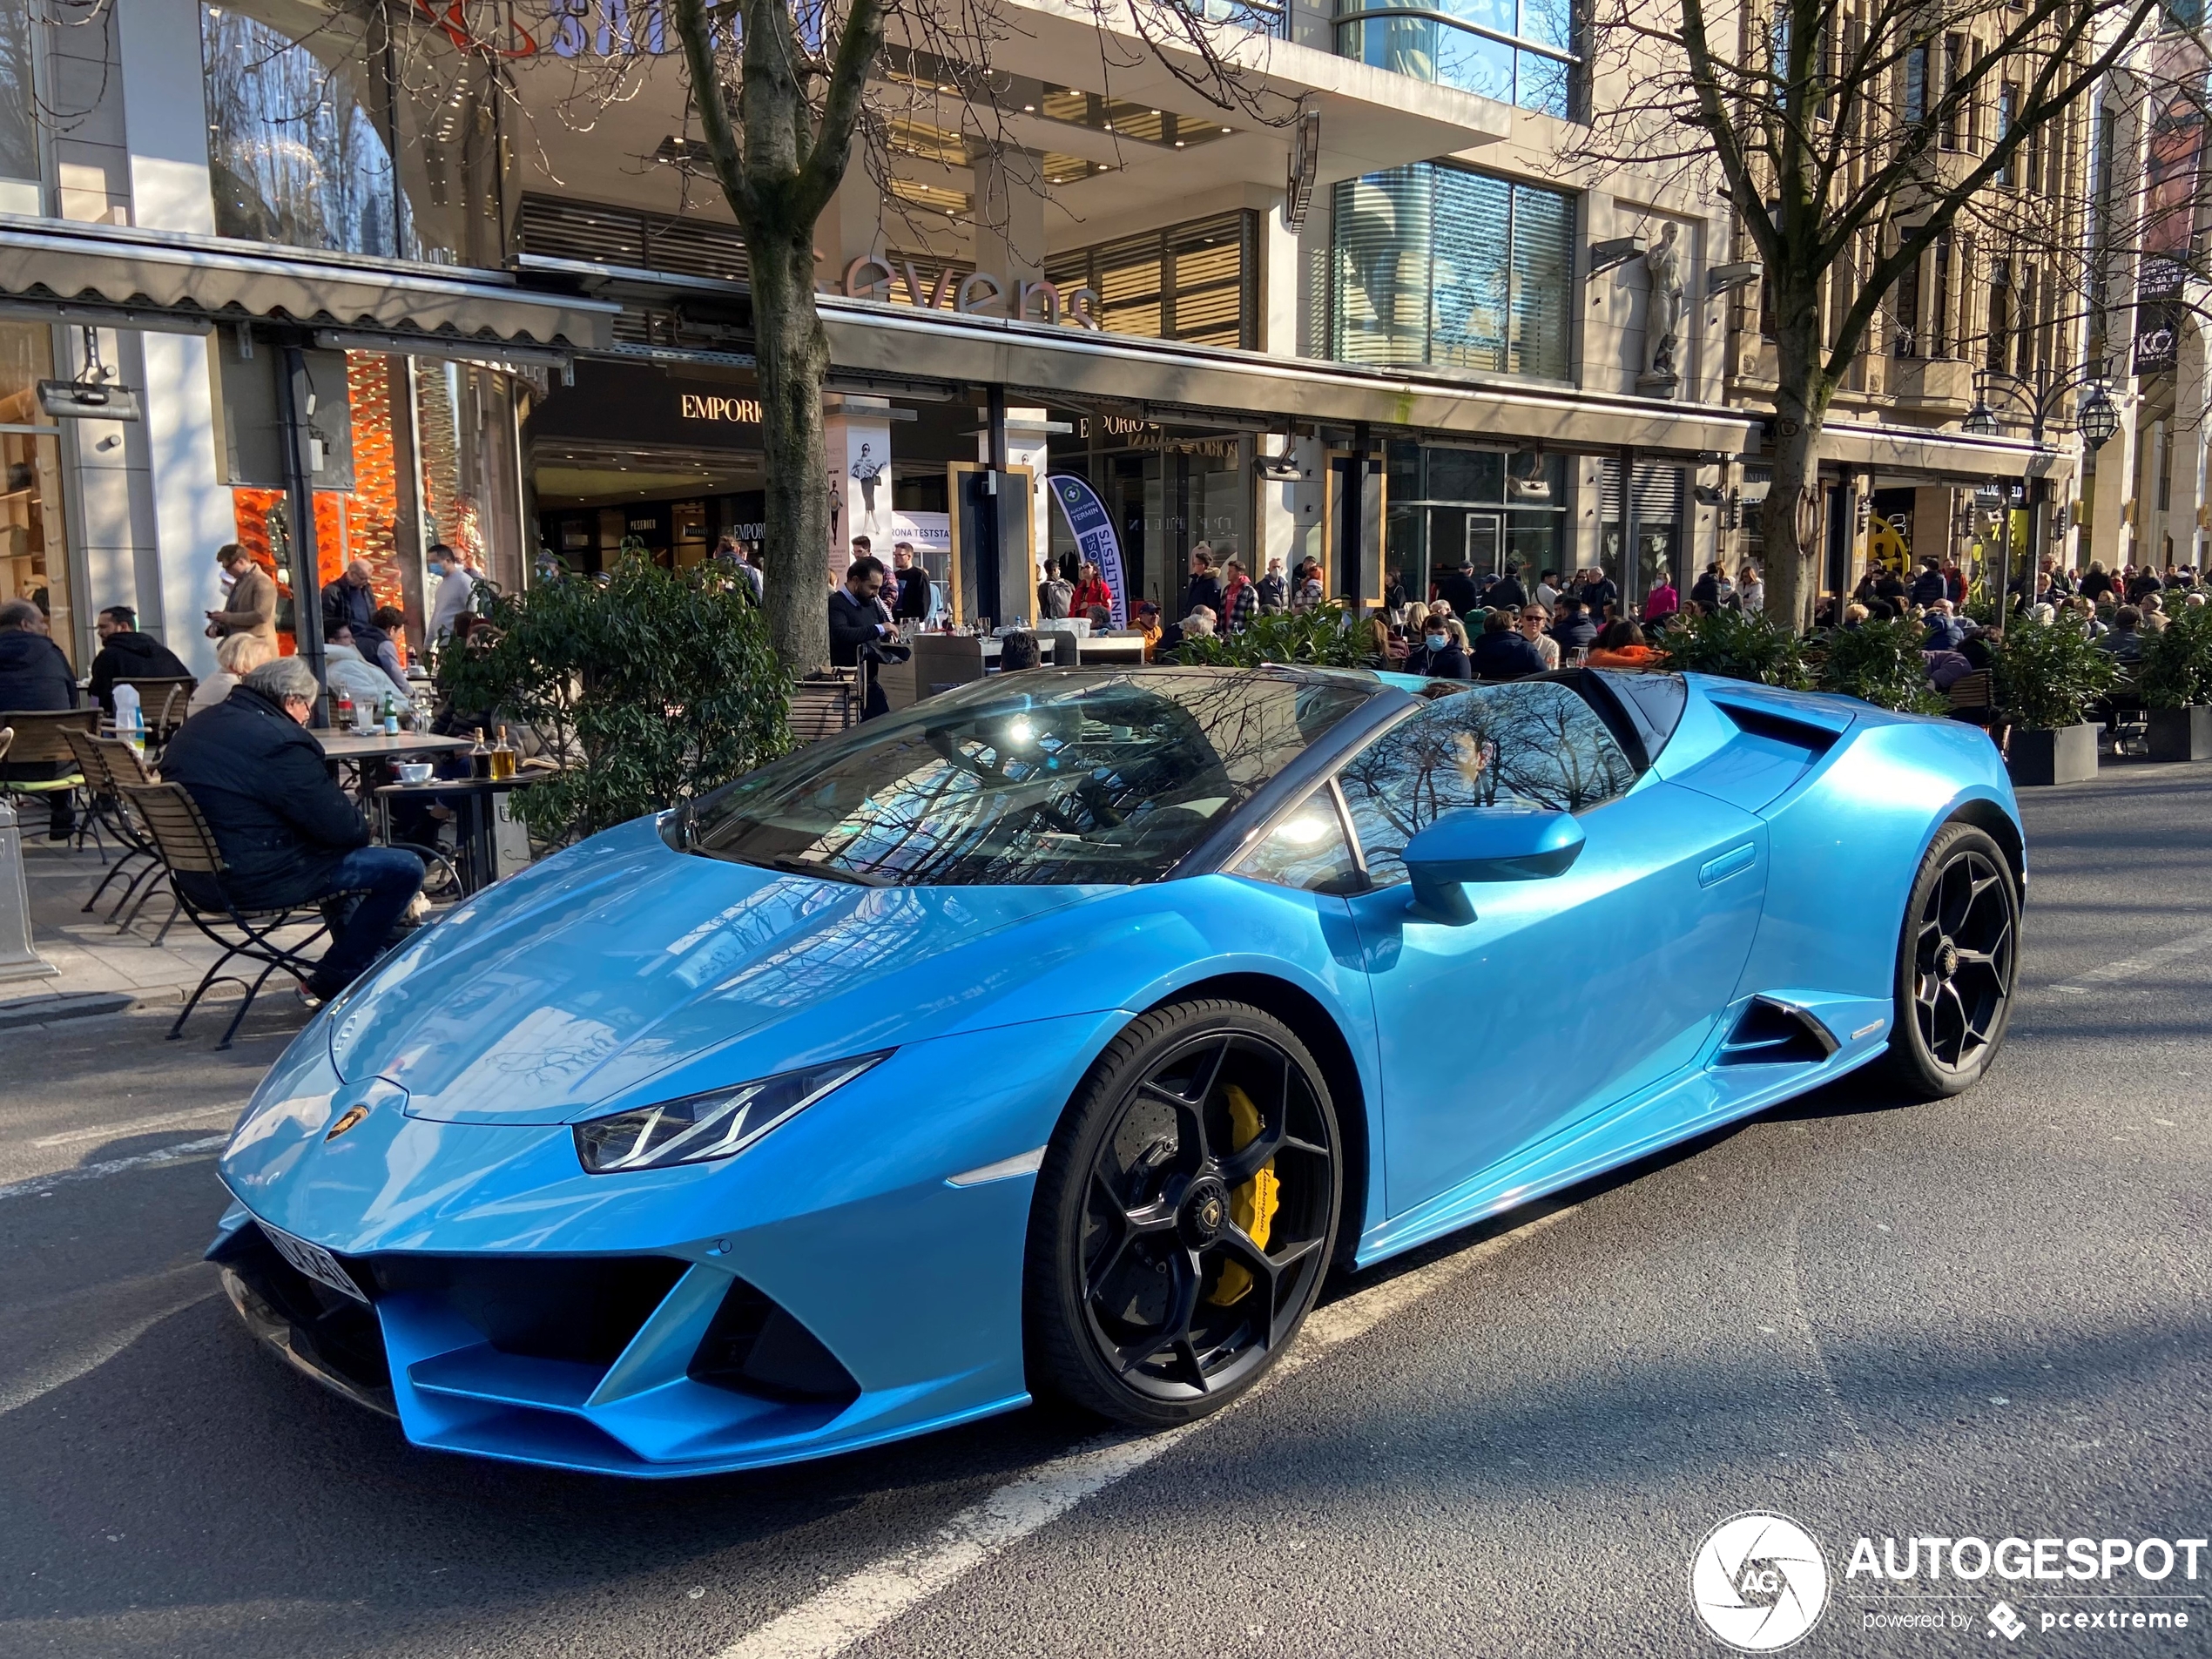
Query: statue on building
{"points": [[1664, 319]]}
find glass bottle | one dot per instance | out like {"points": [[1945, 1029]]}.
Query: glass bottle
{"points": [[503, 758], [391, 716], [480, 756]]}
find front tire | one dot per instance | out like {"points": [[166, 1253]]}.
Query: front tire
{"points": [[1957, 962], [1184, 1217]]}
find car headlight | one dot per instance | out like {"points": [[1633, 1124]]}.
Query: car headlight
{"points": [[717, 1124]]}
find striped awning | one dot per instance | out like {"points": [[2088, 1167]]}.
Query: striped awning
{"points": [[132, 277]]}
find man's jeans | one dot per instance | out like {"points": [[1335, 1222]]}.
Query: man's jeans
{"points": [[371, 887]]}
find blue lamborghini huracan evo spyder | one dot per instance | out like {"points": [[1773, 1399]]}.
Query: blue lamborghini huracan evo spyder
{"points": [[1060, 1032]]}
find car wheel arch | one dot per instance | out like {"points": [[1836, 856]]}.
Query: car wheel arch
{"points": [[1324, 1038], [1995, 822]]}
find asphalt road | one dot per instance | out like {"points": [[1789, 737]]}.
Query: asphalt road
{"points": [[1987, 1317]]}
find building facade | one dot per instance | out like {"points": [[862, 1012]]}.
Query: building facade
{"points": [[373, 281]]}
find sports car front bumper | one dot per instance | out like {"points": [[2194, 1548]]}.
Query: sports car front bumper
{"points": [[828, 1289]]}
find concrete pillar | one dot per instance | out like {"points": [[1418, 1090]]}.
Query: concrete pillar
{"points": [[2186, 485], [1026, 436], [193, 511], [2112, 502], [1009, 217]]}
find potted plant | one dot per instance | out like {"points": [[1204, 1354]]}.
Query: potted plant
{"points": [[2044, 676], [1738, 645], [2176, 681], [1879, 662], [648, 684]]}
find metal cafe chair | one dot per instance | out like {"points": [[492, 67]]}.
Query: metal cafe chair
{"points": [[187, 848], [138, 860]]}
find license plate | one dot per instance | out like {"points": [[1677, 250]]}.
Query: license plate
{"points": [[315, 1261]]}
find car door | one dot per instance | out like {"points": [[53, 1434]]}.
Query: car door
{"points": [[1565, 994]]}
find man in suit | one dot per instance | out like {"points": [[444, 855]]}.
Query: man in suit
{"points": [[860, 625], [253, 598]]}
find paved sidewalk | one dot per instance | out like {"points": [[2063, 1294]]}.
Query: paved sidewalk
{"points": [[93, 958]]}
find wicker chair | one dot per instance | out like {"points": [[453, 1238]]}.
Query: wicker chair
{"points": [[187, 848]]}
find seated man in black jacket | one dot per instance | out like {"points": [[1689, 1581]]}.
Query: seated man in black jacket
{"points": [[1502, 653], [34, 676], [288, 834], [126, 654]]}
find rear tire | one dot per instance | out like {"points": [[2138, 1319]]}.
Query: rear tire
{"points": [[1957, 963], [1184, 1216]]}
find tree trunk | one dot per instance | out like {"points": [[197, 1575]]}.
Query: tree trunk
{"points": [[793, 352], [1795, 527]]}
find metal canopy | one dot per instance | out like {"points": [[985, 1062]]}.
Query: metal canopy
{"points": [[1042, 363], [134, 277]]}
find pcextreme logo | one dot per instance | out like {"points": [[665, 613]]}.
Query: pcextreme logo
{"points": [[1759, 1582]]}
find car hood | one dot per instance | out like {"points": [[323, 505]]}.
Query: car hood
{"points": [[566, 987]]}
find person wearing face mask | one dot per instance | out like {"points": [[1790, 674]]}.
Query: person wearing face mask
{"points": [[1436, 654], [457, 585]]}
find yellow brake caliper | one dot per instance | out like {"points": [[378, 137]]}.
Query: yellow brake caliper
{"points": [[1252, 1206]]}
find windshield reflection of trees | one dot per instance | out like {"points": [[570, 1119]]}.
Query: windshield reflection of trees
{"points": [[1108, 781], [1535, 745]]}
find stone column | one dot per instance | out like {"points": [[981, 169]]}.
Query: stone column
{"points": [[1009, 218]]}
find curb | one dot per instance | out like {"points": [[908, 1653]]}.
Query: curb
{"points": [[63, 1005]]}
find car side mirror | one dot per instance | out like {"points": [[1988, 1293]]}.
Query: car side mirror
{"points": [[1484, 844]]}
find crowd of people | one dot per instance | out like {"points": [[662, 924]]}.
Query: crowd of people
{"points": [[1470, 624]]}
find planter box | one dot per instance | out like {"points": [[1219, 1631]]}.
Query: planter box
{"points": [[2068, 755], [2181, 734]]}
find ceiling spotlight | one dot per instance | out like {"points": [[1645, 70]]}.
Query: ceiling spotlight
{"points": [[1229, 129]]}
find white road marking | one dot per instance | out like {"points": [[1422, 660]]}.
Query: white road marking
{"points": [[213, 1116], [2134, 967], [837, 1617], [62, 1369], [38, 1185]]}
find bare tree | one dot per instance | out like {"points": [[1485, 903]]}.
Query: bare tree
{"points": [[1850, 136], [784, 96]]}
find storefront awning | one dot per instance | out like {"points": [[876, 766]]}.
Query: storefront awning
{"points": [[1177, 383], [140, 278], [1905, 454]]}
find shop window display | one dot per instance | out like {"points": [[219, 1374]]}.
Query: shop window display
{"points": [[34, 556], [370, 521]]}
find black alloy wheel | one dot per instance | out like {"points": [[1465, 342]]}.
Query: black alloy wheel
{"points": [[1956, 964], [1184, 1216]]}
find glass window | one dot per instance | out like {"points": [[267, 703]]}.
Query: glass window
{"points": [[1470, 45], [34, 552], [1444, 265], [1306, 850], [1105, 778], [1535, 745], [305, 120], [19, 191]]}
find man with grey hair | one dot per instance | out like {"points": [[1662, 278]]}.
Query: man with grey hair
{"points": [[350, 602], [288, 834]]}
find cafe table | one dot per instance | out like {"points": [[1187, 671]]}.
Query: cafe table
{"points": [[472, 800], [356, 746]]}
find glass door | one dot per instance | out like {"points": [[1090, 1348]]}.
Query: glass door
{"points": [[1485, 542]]}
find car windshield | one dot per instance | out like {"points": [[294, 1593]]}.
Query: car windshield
{"points": [[1047, 776]]}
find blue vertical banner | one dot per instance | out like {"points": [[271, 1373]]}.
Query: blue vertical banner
{"points": [[1093, 529]]}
